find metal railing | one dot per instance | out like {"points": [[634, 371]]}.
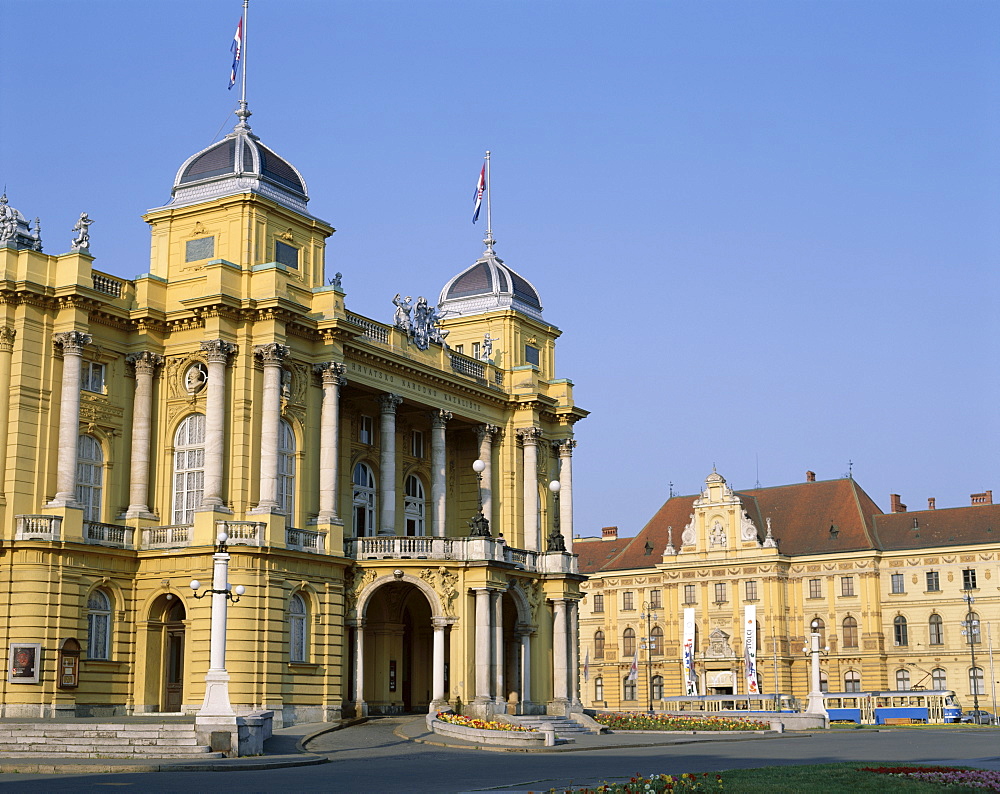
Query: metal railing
{"points": [[32, 527], [305, 540], [108, 534], [373, 331], [168, 537]]}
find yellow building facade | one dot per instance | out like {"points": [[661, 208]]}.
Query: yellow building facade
{"points": [[230, 390], [888, 593]]}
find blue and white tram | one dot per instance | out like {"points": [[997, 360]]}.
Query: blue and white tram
{"points": [[719, 704], [880, 708]]}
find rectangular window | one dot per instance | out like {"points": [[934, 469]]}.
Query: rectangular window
{"points": [[751, 586], [286, 255], [476, 347], [654, 599], [815, 588], [629, 689], [202, 248], [720, 593], [969, 579], [933, 582], [417, 444], [92, 377], [599, 602], [531, 355], [460, 349], [689, 594], [366, 431], [897, 583], [847, 585], [628, 600]]}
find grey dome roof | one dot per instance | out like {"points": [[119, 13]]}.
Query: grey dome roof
{"points": [[489, 285], [239, 163]]}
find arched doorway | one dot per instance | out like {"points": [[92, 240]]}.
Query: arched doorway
{"points": [[173, 661], [398, 650], [165, 655]]}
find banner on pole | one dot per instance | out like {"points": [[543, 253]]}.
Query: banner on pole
{"points": [[690, 680], [750, 648]]}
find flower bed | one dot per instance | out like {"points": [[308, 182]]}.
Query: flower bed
{"points": [[986, 779], [489, 732], [628, 721], [483, 725], [654, 784]]}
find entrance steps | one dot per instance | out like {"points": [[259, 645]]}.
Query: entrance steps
{"points": [[561, 725], [48, 739]]}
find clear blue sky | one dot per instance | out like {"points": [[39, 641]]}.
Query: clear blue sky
{"points": [[768, 230]]}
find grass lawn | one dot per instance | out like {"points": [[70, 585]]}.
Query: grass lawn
{"points": [[827, 778]]}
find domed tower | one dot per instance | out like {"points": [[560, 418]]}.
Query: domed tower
{"points": [[240, 204]]}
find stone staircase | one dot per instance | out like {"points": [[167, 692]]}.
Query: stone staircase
{"points": [[563, 726], [75, 739]]}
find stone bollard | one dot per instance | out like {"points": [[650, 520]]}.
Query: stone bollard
{"points": [[550, 737]]}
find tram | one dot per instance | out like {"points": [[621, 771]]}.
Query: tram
{"points": [[723, 703], [882, 708]]}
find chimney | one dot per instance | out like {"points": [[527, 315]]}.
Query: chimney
{"points": [[609, 533], [984, 498], [896, 506], [931, 503], [810, 476]]}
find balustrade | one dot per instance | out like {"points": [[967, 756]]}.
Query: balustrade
{"points": [[305, 540], [32, 527], [168, 537], [107, 534]]}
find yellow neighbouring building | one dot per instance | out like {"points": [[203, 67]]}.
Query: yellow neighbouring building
{"points": [[230, 389], [888, 592]]}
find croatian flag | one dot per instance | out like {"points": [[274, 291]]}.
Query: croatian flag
{"points": [[237, 50], [480, 187], [586, 667], [633, 670]]}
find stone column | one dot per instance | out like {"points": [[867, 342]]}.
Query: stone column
{"points": [[565, 448], [359, 669], [525, 666], [271, 355], [439, 483], [72, 343], [574, 654], [217, 353], [560, 645], [387, 484], [485, 435], [529, 437], [332, 374], [7, 335], [483, 642], [438, 694], [499, 689], [145, 365]]}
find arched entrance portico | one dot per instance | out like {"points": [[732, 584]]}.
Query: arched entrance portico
{"points": [[165, 655]]}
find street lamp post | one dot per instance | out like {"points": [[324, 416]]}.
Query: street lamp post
{"points": [[556, 540], [649, 616], [971, 629], [815, 704], [217, 710], [479, 524]]}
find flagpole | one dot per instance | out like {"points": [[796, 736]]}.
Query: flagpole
{"points": [[489, 209], [243, 85]]}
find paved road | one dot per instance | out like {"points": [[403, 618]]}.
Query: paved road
{"points": [[371, 758]]}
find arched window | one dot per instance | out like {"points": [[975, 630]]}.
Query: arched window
{"points": [[976, 681], [824, 681], [286, 471], [297, 626], [364, 501], [817, 626], [89, 476], [189, 468], [850, 633], [98, 625], [972, 629], [902, 679], [628, 689], [939, 678], [852, 681], [657, 685], [935, 628], [599, 645], [599, 689], [656, 641], [899, 632], [628, 642], [413, 506]]}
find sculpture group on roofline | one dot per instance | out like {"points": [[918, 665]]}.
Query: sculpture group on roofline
{"points": [[424, 326]]}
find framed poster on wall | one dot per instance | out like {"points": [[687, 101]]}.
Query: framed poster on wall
{"points": [[24, 663]]}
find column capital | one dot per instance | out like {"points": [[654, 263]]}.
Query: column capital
{"points": [[7, 335], [439, 418], [442, 622], [529, 435], [564, 446], [484, 430], [72, 342], [388, 403], [271, 353], [331, 372], [144, 362], [218, 351]]}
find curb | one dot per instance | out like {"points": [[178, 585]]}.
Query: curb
{"points": [[233, 765]]}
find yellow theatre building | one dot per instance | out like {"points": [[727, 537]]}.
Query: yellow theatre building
{"points": [[230, 390], [886, 592]]}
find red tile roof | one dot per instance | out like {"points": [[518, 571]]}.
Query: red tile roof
{"points": [[953, 526]]}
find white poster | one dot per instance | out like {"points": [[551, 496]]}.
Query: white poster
{"points": [[750, 648], [690, 679]]}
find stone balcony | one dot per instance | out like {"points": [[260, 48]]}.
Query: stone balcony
{"points": [[394, 547]]}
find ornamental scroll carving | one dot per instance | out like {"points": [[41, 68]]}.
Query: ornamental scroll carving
{"points": [[354, 583], [687, 537], [747, 529], [443, 581]]}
